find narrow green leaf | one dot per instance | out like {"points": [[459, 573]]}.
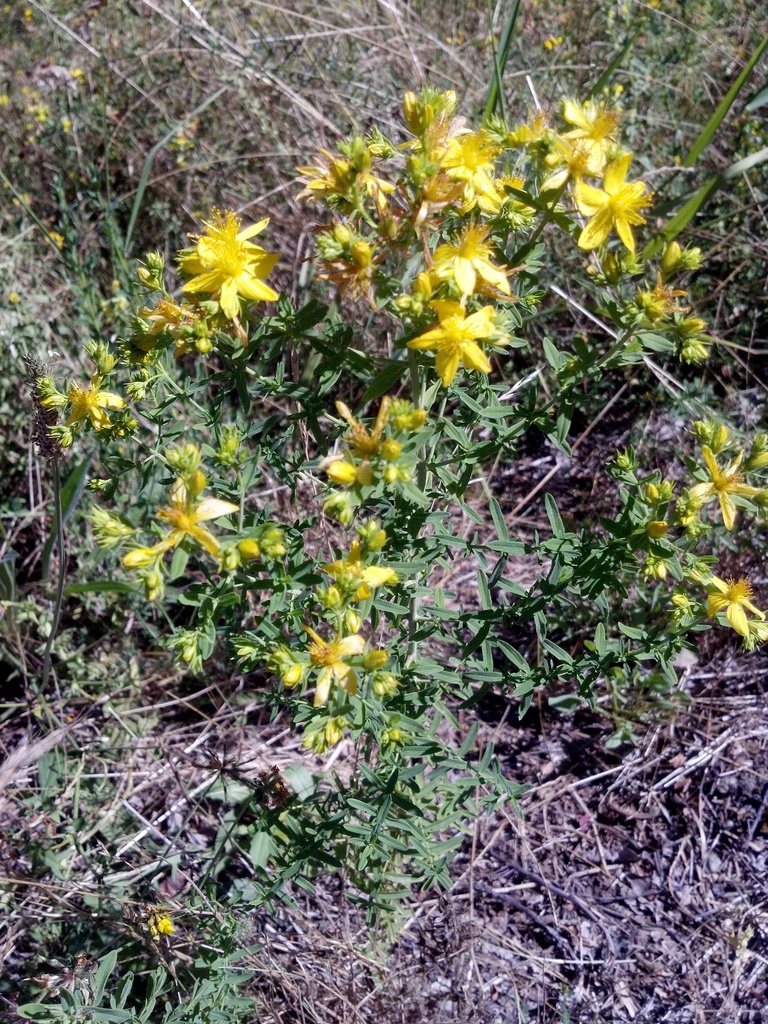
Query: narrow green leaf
{"points": [[71, 492], [8, 588], [102, 975], [384, 380], [600, 639], [553, 514], [498, 519], [695, 203], [724, 106], [758, 100], [495, 92], [606, 75], [147, 169]]}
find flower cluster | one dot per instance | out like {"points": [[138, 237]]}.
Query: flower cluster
{"points": [[382, 456]]}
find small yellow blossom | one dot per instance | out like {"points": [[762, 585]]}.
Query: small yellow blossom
{"points": [[89, 403], [356, 578], [224, 263], [732, 596], [594, 124], [723, 483], [28, 14], [159, 924], [185, 516], [617, 205], [578, 158], [13, 298], [469, 158], [553, 42], [469, 260], [329, 656], [5, 99], [455, 340]]}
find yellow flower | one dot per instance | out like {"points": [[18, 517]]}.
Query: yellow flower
{"points": [[365, 443], [579, 159], [90, 403], [469, 260], [185, 516], [723, 483], [356, 578], [615, 206], [469, 159], [455, 340], [733, 596], [225, 263], [552, 42], [330, 655], [593, 123]]}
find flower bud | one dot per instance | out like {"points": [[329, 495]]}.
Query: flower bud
{"points": [[375, 659], [342, 473], [652, 494], [362, 254], [196, 483], [390, 450], [657, 528], [249, 550], [273, 542], [229, 558], [352, 621], [330, 598], [139, 558], [670, 259], [153, 585]]}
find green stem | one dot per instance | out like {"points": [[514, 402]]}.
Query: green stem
{"points": [[59, 600], [548, 214], [417, 397]]}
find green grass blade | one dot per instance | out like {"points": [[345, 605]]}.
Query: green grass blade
{"points": [[758, 100], [606, 75], [684, 216], [725, 105], [147, 169], [495, 93]]}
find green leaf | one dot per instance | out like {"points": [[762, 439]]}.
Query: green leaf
{"points": [[101, 977], [694, 204], [71, 492], [147, 169], [758, 100], [606, 75], [555, 521], [8, 588], [600, 639], [39, 1011], [724, 106], [495, 91], [498, 519], [384, 380]]}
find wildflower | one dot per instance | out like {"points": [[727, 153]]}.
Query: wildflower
{"points": [[732, 596], [225, 263], [455, 340], [552, 42], [722, 484], [469, 260], [14, 298], [356, 578], [89, 403], [324, 734], [57, 239], [159, 924], [365, 443], [614, 206], [578, 158], [185, 516], [758, 634], [593, 123], [329, 656], [469, 159], [532, 133]]}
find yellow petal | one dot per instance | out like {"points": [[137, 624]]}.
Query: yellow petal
{"points": [[728, 509], [205, 539], [108, 400], [254, 229], [228, 300], [323, 688], [254, 289], [465, 276], [378, 576], [350, 645], [473, 357], [616, 172], [447, 365], [596, 230], [589, 200], [624, 231], [213, 508], [737, 618]]}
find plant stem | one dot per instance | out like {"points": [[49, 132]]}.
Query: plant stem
{"points": [[547, 214], [59, 599], [417, 397]]}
